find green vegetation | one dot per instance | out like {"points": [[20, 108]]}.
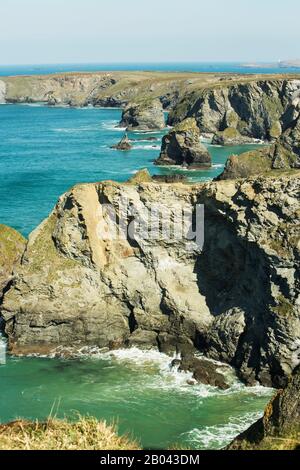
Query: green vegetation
{"points": [[10, 239]]}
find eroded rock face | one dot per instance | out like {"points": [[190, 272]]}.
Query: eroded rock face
{"points": [[12, 247], [237, 300], [256, 110], [147, 115], [182, 146], [279, 429]]}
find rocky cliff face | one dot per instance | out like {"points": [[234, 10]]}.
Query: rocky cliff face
{"points": [[147, 115], [257, 110], [279, 429], [282, 155], [237, 300], [182, 146]]}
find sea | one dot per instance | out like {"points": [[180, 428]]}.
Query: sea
{"points": [[44, 151]]}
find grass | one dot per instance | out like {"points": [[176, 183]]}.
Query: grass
{"points": [[86, 434]]}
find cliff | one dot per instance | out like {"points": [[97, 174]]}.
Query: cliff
{"points": [[257, 109], [254, 105], [279, 429], [236, 300]]}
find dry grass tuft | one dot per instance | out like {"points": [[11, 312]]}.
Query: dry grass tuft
{"points": [[85, 434]]}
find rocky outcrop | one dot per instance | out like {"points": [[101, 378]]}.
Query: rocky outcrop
{"points": [[204, 371], [124, 144], [255, 109], [141, 176], [279, 429], [182, 147], [147, 115], [283, 155], [12, 247], [236, 300], [230, 136]]}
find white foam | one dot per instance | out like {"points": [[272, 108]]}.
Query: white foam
{"points": [[221, 435], [218, 165], [112, 126], [146, 147]]}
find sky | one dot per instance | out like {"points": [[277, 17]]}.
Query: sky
{"points": [[86, 31]]}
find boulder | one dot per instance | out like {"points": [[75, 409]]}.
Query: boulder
{"points": [[182, 146], [145, 116], [124, 144]]}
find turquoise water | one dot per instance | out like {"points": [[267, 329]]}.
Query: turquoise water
{"points": [[44, 151], [134, 389], [214, 67]]}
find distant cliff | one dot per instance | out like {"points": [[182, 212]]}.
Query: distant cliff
{"points": [[252, 106]]}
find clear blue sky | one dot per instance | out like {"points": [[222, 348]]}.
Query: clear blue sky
{"points": [[59, 31]]}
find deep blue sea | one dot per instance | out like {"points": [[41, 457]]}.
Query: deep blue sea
{"points": [[44, 151], [226, 67]]}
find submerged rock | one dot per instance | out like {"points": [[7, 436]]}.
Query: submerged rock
{"points": [[204, 371], [147, 115], [279, 429], [182, 146], [124, 144], [235, 299], [12, 247]]}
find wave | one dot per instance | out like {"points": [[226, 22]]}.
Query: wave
{"points": [[218, 165], [112, 126], [76, 130], [166, 376], [219, 436]]}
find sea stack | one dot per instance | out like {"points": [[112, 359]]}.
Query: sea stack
{"points": [[182, 146], [124, 144]]}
